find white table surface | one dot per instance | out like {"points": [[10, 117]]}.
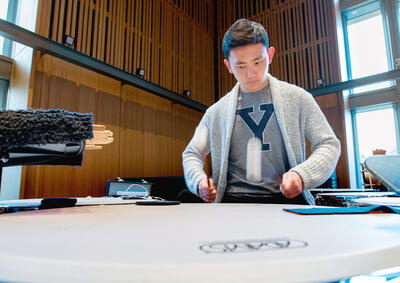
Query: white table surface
{"points": [[193, 243]]}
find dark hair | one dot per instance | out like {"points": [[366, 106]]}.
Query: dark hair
{"points": [[243, 32]]}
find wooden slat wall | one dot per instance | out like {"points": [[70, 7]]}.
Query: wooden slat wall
{"points": [[162, 37], [333, 108], [172, 40], [304, 36]]}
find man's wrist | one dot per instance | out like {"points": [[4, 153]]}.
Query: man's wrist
{"points": [[301, 178]]}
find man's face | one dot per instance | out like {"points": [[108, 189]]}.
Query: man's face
{"points": [[249, 64]]}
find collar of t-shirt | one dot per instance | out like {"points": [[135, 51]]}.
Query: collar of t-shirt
{"points": [[261, 91]]}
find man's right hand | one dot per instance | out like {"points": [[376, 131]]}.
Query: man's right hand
{"points": [[207, 190]]}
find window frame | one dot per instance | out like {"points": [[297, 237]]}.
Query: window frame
{"points": [[363, 9], [372, 99], [11, 17], [6, 68], [4, 84], [354, 112]]}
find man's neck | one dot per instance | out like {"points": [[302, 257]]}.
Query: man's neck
{"points": [[266, 82]]}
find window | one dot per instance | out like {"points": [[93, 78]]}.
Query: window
{"points": [[3, 16], [367, 51], [375, 128], [3, 82], [8, 12], [3, 93], [369, 46], [398, 15]]}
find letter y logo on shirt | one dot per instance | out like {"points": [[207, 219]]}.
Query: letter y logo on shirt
{"points": [[257, 129]]}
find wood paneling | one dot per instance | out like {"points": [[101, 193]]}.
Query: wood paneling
{"points": [[155, 35], [332, 107], [173, 40], [150, 133]]}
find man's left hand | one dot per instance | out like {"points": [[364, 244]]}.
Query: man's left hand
{"points": [[292, 184]]}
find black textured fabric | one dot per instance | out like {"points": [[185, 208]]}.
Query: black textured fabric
{"points": [[49, 154], [272, 198], [52, 126]]}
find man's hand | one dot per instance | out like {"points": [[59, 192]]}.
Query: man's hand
{"points": [[292, 184], [207, 190]]}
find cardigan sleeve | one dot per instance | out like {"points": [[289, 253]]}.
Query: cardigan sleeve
{"points": [[194, 155], [325, 146]]}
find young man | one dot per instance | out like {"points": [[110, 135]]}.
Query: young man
{"points": [[256, 133]]}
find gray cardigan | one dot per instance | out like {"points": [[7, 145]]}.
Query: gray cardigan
{"points": [[299, 117]]}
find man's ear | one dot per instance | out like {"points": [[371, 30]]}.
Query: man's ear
{"points": [[226, 62], [271, 52]]}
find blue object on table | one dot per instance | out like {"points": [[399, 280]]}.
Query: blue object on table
{"points": [[343, 210], [386, 168]]}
